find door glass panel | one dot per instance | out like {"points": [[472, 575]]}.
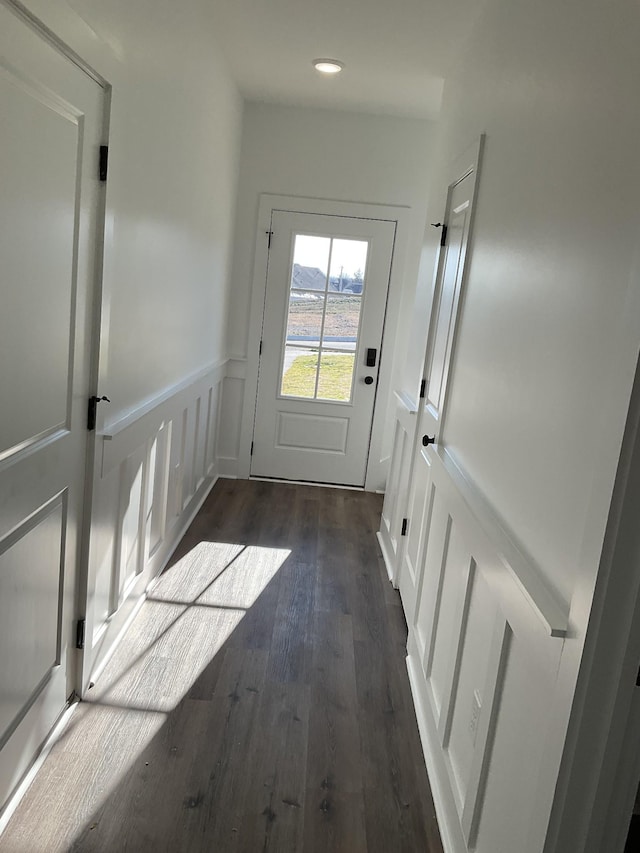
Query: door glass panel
{"points": [[300, 372], [310, 262], [304, 322], [341, 322], [336, 376], [348, 262], [325, 299]]}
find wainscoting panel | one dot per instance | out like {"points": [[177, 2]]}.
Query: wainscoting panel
{"points": [[155, 472], [157, 499], [232, 426], [485, 639]]}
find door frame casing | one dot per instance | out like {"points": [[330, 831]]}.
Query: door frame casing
{"points": [[376, 466]]}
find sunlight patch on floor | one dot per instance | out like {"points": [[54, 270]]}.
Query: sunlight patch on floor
{"points": [[187, 619], [191, 613]]}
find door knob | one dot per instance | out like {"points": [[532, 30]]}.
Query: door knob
{"points": [[426, 440], [368, 380]]}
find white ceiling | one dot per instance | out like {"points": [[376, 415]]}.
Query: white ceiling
{"points": [[396, 52]]}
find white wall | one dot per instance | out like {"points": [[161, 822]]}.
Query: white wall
{"points": [[330, 155], [174, 146], [173, 199], [550, 325]]}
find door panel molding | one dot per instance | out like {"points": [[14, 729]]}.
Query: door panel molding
{"points": [[43, 532], [331, 439]]}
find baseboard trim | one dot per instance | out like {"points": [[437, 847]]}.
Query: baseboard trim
{"points": [[307, 483], [388, 564], [227, 466]]}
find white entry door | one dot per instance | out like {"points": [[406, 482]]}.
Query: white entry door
{"points": [[326, 296], [51, 124]]}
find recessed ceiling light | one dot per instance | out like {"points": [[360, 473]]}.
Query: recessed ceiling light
{"points": [[328, 66]]}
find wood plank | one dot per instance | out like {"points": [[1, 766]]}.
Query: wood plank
{"points": [[334, 813], [218, 782], [290, 655], [275, 802]]}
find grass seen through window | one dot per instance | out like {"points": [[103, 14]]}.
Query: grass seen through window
{"points": [[336, 370]]}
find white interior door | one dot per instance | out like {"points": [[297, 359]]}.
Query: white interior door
{"points": [[440, 349], [51, 124], [325, 303], [457, 222]]}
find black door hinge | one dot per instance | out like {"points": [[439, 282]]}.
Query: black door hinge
{"points": [[423, 388], [251, 454], [638, 679], [269, 236], [80, 628], [405, 522], [92, 410], [104, 162], [260, 350], [443, 236]]}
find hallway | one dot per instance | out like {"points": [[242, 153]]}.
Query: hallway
{"points": [[258, 702]]}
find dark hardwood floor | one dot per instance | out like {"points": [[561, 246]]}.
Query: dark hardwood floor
{"points": [[259, 702]]}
